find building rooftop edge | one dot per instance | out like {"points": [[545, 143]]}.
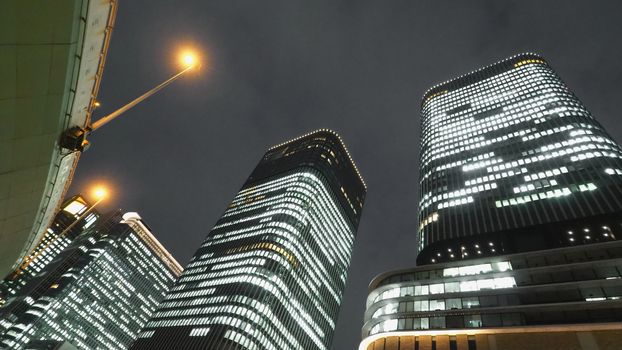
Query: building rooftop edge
{"points": [[133, 219], [439, 86], [335, 134]]}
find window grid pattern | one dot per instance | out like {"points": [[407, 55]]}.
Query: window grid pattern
{"points": [[506, 148], [51, 244], [580, 284], [272, 270], [102, 299], [271, 273]]}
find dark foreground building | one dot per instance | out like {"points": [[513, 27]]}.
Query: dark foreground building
{"points": [[520, 220], [271, 273], [96, 294]]}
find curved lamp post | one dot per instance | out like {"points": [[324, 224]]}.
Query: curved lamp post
{"points": [[75, 138]]}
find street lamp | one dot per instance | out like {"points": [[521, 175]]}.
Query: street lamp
{"points": [[75, 138], [100, 193]]}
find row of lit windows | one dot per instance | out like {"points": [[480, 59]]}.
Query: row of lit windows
{"points": [[306, 200], [558, 192], [440, 322], [470, 144], [484, 92], [102, 312], [498, 122], [257, 313], [520, 111], [493, 86], [478, 128], [307, 255], [427, 305], [447, 287]]}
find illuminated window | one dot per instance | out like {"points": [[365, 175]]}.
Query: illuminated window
{"points": [[437, 288], [75, 207]]}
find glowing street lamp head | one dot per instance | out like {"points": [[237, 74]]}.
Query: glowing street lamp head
{"points": [[100, 192], [189, 59]]}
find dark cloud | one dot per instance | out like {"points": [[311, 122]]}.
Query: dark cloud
{"points": [[278, 69]]}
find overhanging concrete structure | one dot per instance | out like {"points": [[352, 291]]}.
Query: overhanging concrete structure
{"points": [[51, 61]]}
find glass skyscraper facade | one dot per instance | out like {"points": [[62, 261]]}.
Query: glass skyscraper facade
{"points": [[49, 345], [56, 238], [97, 293], [555, 294], [508, 153], [519, 229], [271, 273]]}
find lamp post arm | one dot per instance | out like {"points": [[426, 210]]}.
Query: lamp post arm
{"points": [[105, 120]]}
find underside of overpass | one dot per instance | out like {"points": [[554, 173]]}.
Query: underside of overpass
{"points": [[52, 54]]}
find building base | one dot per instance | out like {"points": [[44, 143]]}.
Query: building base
{"points": [[602, 336]]}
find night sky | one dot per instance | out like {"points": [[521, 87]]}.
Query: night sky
{"points": [[278, 69]]}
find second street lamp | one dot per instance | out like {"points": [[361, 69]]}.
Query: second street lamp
{"points": [[100, 193], [75, 138]]}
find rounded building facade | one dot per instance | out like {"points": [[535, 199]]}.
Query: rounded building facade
{"points": [[515, 301], [271, 273]]}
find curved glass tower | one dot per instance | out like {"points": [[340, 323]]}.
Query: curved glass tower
{"points": [[511, 161], [271, 273]]}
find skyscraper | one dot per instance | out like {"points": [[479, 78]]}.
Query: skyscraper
{"points": [[520, 207], [97, 293], [54, 241], [511, 161], [271, 273]]}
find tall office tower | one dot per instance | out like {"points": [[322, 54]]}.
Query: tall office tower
{"points": [[96, 294], [57, 237], [271, 273], [519, 222], [512, 161]]}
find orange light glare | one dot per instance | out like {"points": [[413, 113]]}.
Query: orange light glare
{"points": [[100, 192], [189, 59]]}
